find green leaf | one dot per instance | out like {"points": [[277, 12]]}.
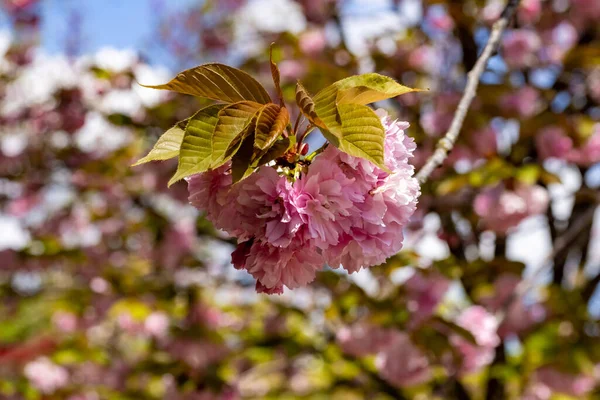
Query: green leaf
{"points": [[196, 147], [278, 149], [167, 145], [270, 124], [248, 131], [233, 121], [241, 167], [343, 118], [307, 106], [217, 82], [365, 89], [360, 133], [276, 76]]}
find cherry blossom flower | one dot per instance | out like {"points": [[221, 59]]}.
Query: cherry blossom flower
{"points": [[483, 326], [401, 363], [501, 210], [46, 376], [343, 211], [519, 47]]}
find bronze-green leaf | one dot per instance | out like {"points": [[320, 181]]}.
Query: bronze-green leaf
{"points": [[241, 162], [248, 131], [270, 124], [167, 145], [276, 76], [217, 82], [233, 121], [307, 106], [196, 147], [278, 149]]}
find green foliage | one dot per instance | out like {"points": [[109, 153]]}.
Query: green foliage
{"points": [[270, 124], [168, 144], [245, 129], [196, 147], [347, 122], [217, 82]]}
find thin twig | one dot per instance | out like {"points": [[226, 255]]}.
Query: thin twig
{"points": [[446, 143]]}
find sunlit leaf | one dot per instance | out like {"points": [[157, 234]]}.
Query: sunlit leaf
{"points": [[359, 134], [368, 88], [248, 131], [217, 82], [196, 147], [270, 124], [233, 120], [167, 145], [343, 118]]}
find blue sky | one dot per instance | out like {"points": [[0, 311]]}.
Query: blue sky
{"points": [[116, 23]]}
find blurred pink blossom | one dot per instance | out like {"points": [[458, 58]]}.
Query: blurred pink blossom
{"points": [[520, 318], [525, 101], [65, 321], [561, 39], [501, 210], [589, 153], [312, 42], [401, 363], [483, 326], [291, 70], [424, 293], [485, 141], [157, 324], [529, 10], [46, 376], [563, 382], [362, 339], [553, 142], [519, 47], [590, 9], [440, 20], [424, 58]]}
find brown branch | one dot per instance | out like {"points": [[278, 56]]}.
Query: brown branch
{"points": [[561, 243], [446, 143]]}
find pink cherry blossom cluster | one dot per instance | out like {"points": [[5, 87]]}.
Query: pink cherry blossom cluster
{"points": [[483, 326], [340, 211], [45, 375], [501, 210], [398, 360], [553, 142], [402, 363]]}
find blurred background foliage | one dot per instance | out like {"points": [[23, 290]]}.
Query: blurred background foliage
{"points": [[113, 287]]}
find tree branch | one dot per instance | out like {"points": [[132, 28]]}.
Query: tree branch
{"points": [[446, 143], [585, 220]]}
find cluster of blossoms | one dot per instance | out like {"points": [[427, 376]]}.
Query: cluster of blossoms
{"points": [[341, 211], [398, 360], [501, 210], [403, 363], [46, 376], [483, 326], [553, 142]]}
